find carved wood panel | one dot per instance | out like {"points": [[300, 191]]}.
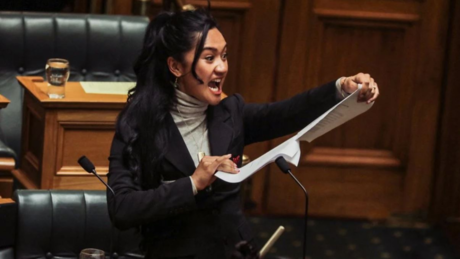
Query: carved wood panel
{"points": [[368, 167]]}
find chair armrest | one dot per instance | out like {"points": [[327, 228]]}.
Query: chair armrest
{"points": [[7, 158]]}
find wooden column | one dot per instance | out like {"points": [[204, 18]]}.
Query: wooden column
{"points": [[445, 207]]}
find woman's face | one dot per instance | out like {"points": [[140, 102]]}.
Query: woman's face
{"points": [[211, 68]]}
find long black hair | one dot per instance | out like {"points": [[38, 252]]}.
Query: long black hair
{"points": [[142, 123]]}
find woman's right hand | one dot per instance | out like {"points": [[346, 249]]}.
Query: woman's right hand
{"points": [[204, 173]]}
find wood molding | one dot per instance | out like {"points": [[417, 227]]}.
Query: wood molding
{"points": [[7, 164], [377, 16], [222, 4], [103, 125], [24, 179], [352, 158], [32, 160], [78, 171]]}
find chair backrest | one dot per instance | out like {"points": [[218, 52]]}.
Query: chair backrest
{"points": [[59, 224], [98, 47]]}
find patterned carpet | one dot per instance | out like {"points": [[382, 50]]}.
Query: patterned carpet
{"points": [[343, 239]]}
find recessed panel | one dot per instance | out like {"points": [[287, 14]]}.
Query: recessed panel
{"points": [[378, 50], [337, 192], [95, 144], [34, 134]]}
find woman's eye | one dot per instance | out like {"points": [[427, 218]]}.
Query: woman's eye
{"points": [[209, 58], [224, 56]]}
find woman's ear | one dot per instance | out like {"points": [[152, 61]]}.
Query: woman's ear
{"points": [[175, 67]]}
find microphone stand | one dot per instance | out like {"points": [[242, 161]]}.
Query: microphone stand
{"points": [[284, 167], [89, 167], [100, 179]]}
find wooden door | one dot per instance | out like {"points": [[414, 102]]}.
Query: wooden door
{"points": [[381, 163]]}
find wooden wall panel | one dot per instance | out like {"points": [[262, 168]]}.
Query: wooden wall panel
{"points": [[122, 7], [380, 163], [341, 192]]}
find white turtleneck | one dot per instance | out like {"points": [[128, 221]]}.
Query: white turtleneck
{"points": [[189, 114]]}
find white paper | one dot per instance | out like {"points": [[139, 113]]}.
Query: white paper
{"points": [[342, 112], [107, 87]]}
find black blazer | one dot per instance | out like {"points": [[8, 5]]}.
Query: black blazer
{"points": [[175, 223]]}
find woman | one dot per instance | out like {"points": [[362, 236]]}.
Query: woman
{"points": [[175, 132]]}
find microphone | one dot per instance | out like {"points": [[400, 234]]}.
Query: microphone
{"points": [[284, 167], [90, 168]]}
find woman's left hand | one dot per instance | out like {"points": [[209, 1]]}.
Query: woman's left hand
{"points": [[369, 90]]}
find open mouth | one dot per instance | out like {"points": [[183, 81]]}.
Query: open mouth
{"points": [[215, 85]]}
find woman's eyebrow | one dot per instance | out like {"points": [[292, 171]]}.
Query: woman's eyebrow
{"points": [[214, 49]]}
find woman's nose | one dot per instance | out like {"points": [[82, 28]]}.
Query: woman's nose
{"points": [[222, 67]]}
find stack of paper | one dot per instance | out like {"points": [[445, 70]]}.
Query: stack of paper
{"points": [[121, 88]]}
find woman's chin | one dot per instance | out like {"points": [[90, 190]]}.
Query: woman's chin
{"points": [[214, 101]]}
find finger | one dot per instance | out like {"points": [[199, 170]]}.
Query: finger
{"points": [[206, 164], [220, 160], [223, 158], [363, 93], [209, 158], [228, 167], [376, 94], [371, 84], [373, 89], [362, 78], [357, 78], [370, 90], [228, 163]]}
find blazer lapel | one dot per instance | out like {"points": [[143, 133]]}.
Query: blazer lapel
{"points": [[177, 152], [220, 131]]}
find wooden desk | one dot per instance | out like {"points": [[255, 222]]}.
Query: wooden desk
{"points": [[56, 132], [3, 101], [6, 201]]}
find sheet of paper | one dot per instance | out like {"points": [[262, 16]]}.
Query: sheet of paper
{"points": [[289, 150], [342, 112], [107, 87]]}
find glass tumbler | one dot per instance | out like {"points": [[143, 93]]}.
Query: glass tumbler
{"points": [[57, 73]]}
